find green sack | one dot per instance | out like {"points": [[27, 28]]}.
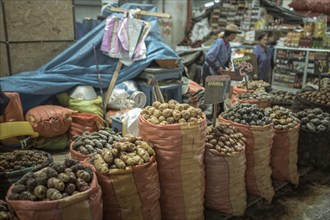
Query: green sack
{"points": [[55, 143], [94, 106]]}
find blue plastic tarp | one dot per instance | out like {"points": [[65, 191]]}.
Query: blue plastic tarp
{"points": [[76, 65]]}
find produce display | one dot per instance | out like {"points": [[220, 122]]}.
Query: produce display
{"points": [[282, 96], [171, 113], [257, 95], [224, 138], [94, 142], [249, 114], [54, 182], [320, 97], [129, 151], [253, 85], [20, 159], [325, 82], [282, 118], [6, 213], [314, 120]]}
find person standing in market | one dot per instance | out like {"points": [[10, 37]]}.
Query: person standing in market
{"points": [[264, 56], [218, 57]]}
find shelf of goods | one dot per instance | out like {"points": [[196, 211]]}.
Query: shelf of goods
{"points": [[295, 67]]}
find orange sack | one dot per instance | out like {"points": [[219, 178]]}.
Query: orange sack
{"points": [[225, 182], [77, 155], [131, 194], [49, 120], [14, 110], [180, 157], [285, 155], [258, 156], [85, 122], [85, 205], [261, 103]]}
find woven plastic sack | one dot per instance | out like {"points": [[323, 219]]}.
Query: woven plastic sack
{"points": [[299, 5], [322, 6], [258, 156], [55, 143], [85, 205], [49, 120], [8, 178], [285, 155], [300, 104], [180, 158], [314, 149], [14, 110], [132, 193], [87, 106], [77, 155], [85, 122], [237, 90], [261, 103], [225, 182]]}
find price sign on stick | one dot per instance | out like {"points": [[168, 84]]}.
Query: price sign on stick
{"points": [[243, 66], [215, 88]]}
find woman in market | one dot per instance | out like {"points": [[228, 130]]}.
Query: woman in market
{"points": [[264, 57], [218, 58]]}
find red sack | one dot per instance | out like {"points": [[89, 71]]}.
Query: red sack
{"points": [[258, 156], [77, 155], [180, 157], [225, 182], [50, 120], [14, 110], [261, 103], [285, 155], [299, 5], [85, 122], [322, 6], [131, 193]]}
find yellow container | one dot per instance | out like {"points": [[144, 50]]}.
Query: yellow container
{"points": [[16, 129]]}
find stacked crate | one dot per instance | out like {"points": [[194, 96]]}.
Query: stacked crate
{"points": [[33, 32]]}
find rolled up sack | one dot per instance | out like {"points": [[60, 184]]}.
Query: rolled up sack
{"points": [[258, 156], [180, 157], [284, 156]]}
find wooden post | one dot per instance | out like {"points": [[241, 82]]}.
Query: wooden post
{"points": [[246, 83], [215, 110], [112, 83]]}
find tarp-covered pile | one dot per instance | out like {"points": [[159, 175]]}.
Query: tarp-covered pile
{"points": [[76, 65]]}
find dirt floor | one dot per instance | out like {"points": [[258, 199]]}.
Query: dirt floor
{"points": [[308, 201]]}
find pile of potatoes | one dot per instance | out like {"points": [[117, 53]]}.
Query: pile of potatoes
{"points": [[249, 114], [282, 118], [54, 182], [89, 143], [171, 113], [253, 85], [282, 96], [320, 97], [325, 82], [6, 212], [20, 159], [226, 139], [257, 95], [314, 120], [130, 151]]}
